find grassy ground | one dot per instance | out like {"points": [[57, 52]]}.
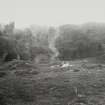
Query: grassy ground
{"points": [[81, 84]]}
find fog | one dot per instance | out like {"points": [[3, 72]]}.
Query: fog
{"points": [[51, 12]]}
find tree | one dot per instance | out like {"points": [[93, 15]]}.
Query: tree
{"points": [[75, 43]]}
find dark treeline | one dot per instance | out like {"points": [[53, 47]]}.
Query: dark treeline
{"points": [[73, 41], [24, 44], [87, 40]]}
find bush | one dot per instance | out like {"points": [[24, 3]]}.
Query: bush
{"points": [[14, 88]]}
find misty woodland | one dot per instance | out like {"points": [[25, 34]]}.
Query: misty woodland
{"points": [[62, 65], [66, 42]]}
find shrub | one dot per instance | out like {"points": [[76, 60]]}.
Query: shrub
{"points": [[14, 88]]}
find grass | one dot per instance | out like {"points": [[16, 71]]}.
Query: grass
{"points": [[56, 86]]}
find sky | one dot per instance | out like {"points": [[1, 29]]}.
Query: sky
{"points": [[51, 12]]}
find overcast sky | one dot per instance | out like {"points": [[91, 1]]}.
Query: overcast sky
{"points": [[51, 12]]}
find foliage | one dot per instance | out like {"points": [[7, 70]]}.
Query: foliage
{"points": [[15, 88], [75, 42], [71, 42], [22, 43]]}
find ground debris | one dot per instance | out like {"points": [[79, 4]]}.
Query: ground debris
{"points": [[16, 64]]}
